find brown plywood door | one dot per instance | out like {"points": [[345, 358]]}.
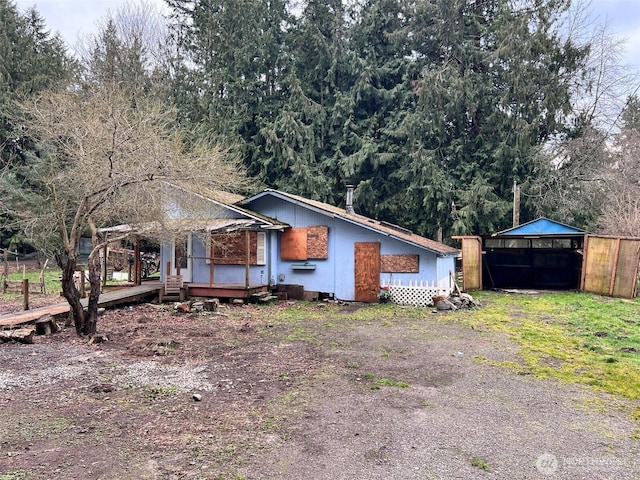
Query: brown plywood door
{"points": [[367, 271]]}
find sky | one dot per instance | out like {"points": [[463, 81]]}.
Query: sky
{"points": [[75, 17]]}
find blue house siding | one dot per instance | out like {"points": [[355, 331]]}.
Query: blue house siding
{"points": [[273, 211], [200, 269], [336, 274]]}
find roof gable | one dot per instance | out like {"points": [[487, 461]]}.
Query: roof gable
{"points": [[541, 226], [230, 201], [385, 228]]}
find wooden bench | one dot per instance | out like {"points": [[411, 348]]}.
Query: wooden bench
{"points": [[173, 289]]}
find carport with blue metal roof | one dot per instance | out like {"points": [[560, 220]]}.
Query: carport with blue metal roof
{"points": [[541, 254]]}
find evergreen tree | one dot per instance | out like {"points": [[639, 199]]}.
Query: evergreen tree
{"points": [[31, 60], [432, 107], [380, 97], [493, 88], [299, 143], [230, 65]]}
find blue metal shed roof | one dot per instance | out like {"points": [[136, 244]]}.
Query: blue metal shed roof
{"points": [[541, 226]]}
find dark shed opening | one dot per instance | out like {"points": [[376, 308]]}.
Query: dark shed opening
{"points": [[542, 254]]}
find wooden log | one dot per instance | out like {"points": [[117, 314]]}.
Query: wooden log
{"points": [[21, 335]]}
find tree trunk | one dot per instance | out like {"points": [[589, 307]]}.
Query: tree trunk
{"points": [[91, 321], [70, 292]]}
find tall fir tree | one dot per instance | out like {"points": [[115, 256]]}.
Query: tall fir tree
{"points": [[31, 60], [433, 107], [298, 144], [380, 97], [495, 85], [230, 65]]}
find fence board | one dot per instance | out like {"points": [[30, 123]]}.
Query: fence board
{"points": [[625, 283], [472, 263], [611, 266], [599, 264]]}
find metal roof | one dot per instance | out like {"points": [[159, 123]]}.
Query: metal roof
{"points": [[541, 227]]}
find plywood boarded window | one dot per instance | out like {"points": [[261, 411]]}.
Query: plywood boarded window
{"points": [[399, 263], [318, 242], [293, 244], [310, 243], [231, 248]]}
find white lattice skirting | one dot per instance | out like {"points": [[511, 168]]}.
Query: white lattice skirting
{"points": [[417, 293]]}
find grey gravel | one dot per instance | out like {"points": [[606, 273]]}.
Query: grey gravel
{"points": [[459, 418]]}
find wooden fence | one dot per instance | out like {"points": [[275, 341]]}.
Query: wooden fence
{"points": [[610, 266]]}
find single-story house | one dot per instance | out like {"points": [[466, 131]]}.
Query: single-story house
{"points": [[274, 239], [546, 254]]}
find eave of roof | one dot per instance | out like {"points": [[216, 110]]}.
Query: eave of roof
{"points": [[209, 225], [360, 220]]}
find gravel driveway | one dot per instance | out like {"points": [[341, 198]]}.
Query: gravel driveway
{"points": [[337, 395]]}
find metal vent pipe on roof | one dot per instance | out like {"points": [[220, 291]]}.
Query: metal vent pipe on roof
{"points": [[349, 203]]}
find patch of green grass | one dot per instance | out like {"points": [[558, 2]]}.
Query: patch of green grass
{"points": [[51, 281], [17, 475], [386, 382], [299, 311], [158, 391], [575, 337], [42, 426], [479, 463], [383, 382]]}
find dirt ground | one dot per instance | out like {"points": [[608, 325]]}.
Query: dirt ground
{"points": [[297, 391]]}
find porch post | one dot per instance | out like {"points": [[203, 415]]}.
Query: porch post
{"points": [[105, 253], [247, 260], [211, 266], [137, 264]]}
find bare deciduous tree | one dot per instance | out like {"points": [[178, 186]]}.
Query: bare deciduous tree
{"points": [[621, 210], [106, 155]]}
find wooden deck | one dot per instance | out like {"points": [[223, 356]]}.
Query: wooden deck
{"points": [[108, 299], [220, 290], [133, 294]]}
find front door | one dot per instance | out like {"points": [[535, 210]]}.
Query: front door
{"points": [[367, 271], [182, 256]]}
